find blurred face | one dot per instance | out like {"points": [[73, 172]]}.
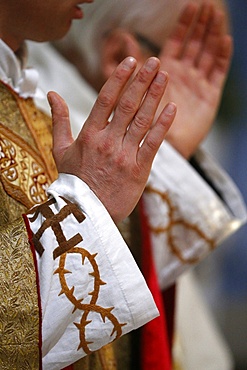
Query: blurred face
{"points": [[39, 20]]}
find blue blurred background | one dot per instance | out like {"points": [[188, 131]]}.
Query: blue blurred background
{"points": [[224, 274]]}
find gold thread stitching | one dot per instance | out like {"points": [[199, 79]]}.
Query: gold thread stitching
{"points": [[66, 247], [22, 172], [173, 222]]}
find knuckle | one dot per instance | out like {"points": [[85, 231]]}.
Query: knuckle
{"points": [[142, 76], [155, 91], [151, 144], [127, 105], [141, 121], [86, 138], [106, 147], [120, 75], [105, 100], [121, 160]]}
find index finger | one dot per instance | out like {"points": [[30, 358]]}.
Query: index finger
{"points": [[110, 93]]}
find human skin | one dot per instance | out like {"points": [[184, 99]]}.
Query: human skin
{"points": [[106, 155], [37, 20], [198, 67], [109, 156], [196, 55]]}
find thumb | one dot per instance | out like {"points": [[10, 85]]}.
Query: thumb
{"points": [[62, 136]]}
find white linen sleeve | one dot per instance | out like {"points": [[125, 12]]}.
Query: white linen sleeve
{"points": [[91, 288], [187, 218]]}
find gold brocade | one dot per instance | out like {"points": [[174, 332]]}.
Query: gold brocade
{"points": [[22, 117], [27, 168], [27, 165], [40, 126], [19, 311], [22, 173], [90, 362], [24, 178], [103, 359]]}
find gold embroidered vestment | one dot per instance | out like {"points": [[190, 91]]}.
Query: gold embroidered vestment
{"points": [[27, 169]]}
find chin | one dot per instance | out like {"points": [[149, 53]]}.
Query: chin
{"points": [[59, 35], [59, 31]]}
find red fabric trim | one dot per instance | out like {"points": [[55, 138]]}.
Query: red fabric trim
{"points": [[30, 233], [70, 367], [155, 353]]}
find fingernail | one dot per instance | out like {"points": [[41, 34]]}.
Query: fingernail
{"points": [[161, 77], [49, 98], [171, 108], [129, 63], [152, 64]]}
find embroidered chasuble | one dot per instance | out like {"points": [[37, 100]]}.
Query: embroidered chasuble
{"points": [[27, 169], [24, 178]]}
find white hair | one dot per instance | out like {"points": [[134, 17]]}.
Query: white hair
{"points": [[146, 17]]}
